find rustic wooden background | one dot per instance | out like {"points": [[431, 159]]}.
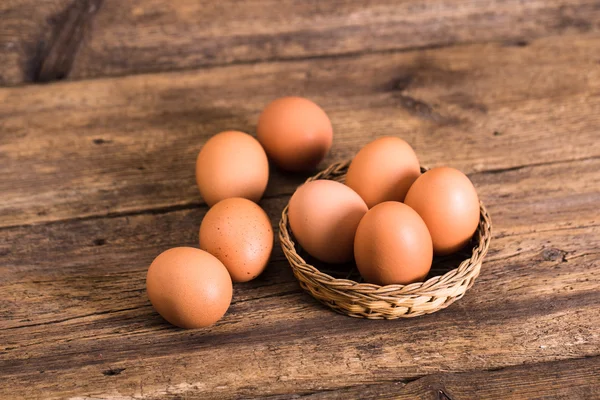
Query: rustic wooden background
{"points": [[97, 178]]}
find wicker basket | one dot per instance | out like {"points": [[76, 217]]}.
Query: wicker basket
{"points": [[365, 300]]}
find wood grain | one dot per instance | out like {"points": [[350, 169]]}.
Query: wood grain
{"points": [[573, 379], [77, 310], [40, 39], [96, 179], [149, 36], [287, 343], [29, 30], [127, 145]]}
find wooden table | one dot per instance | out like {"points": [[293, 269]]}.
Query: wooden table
{"points": [[97, 178]]}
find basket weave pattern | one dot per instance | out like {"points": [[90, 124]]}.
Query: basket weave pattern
{"points": [[365, 300]]}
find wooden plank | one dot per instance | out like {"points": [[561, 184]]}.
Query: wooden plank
{"points": [[40, 40], [147, 36], [96, 180], [573, 379], [268, 337], [289, 344], [528, 200], [120, 261], [126, 145], [73, 306]]}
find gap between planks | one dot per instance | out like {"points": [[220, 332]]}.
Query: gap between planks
{"points": [[273, 60], [195, 205], [298, 290], [58, 58], [440, 390], [107, 179]]}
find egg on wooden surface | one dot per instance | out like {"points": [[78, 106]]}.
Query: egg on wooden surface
{"points": [[295, 132], [448, 203], [383, 170], [238, 232], [232, 164], [392, 245], [189, 287], [323, 216]]}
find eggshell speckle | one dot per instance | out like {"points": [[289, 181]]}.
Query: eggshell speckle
{"points": [[232, 164], [189, 287], [323, 216], [295, 132], [448, 203], [383, 170], [238, 232], [393, 245]]}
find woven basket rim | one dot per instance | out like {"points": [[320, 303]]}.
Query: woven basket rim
{"points": [[418, 288]]}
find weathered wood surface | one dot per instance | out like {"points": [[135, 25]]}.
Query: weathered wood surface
{"points": [[56, 39], [74, 305], [573, 379], [96, 179], [95, 148], [145, 36], [77, 311], [70, 245]]}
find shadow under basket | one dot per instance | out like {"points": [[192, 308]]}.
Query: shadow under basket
{"points": [[365, 300]]}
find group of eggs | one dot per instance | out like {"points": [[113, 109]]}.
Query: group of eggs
{"points": [[192, 287], [387, 216]]}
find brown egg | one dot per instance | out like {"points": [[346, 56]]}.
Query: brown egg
{"points": [[238, 232], [393, 245], [189, 287], [323, 216], [295, 132], [232, 164], [447, 201], [383, 170]]}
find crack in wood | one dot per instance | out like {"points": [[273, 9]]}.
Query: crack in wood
{"points": [[520, 167], [72, 318], [281, 294], [120, 214], [311, 393], [291, 59], [195, 204], [554, 254], [113, 371], [518, 43], [55, 58], [443, 395], [426, 383], [268, 296], [423, 110], [562, 228]]}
